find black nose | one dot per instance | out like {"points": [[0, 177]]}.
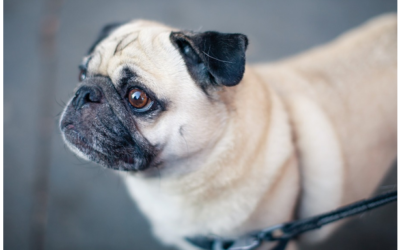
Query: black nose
{"points": [[85, 95]]}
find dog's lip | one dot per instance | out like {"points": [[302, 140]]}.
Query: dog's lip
{"points": [[67, 125]]}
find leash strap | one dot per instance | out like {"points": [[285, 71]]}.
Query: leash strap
{"points": [[283, 233]]}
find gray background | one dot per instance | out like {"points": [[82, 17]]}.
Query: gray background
{"points": [[88, 207]]}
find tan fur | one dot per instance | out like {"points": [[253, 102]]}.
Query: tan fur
{"points": [[318, 130]]}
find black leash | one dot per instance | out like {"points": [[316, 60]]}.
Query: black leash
{"points": [[283, 233]]}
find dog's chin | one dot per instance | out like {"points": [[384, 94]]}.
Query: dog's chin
{"points": [[113, 159]]}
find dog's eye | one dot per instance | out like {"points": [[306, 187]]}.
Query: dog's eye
{"points": [[139, 100], [82, 75]]}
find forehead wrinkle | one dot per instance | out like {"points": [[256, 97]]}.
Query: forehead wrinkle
{"points": [[122, 44], [85, 62], [129, 52], [94, 62], [139, 53], [119, 44], [105, 52]]}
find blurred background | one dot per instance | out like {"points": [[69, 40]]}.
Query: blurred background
{"points": [[52, 199]]}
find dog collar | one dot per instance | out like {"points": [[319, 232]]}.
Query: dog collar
{"points": [[283, 233]]}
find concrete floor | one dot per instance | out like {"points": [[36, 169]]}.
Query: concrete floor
{"points": [[88, 206]]}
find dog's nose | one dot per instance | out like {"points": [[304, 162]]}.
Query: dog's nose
{"points": [[85, 95]]}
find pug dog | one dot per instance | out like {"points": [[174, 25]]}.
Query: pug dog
{"points": [[208, 145]]}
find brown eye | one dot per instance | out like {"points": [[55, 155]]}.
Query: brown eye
{"points": [[138, 98], [82, 75]]}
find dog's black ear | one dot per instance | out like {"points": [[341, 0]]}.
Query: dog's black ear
{"points": [[212, 58], [105, 32]]}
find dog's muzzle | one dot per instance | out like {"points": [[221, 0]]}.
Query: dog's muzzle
{"points": [[98, 126]]}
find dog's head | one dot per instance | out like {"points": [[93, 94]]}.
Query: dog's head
{"points": [[150, 96]]}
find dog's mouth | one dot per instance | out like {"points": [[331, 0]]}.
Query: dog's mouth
{"points": [[125, 161]]}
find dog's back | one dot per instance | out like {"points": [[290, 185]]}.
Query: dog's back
{"points": [[342, 99]]}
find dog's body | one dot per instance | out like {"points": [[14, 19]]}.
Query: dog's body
{"points": [[314, 132]]}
